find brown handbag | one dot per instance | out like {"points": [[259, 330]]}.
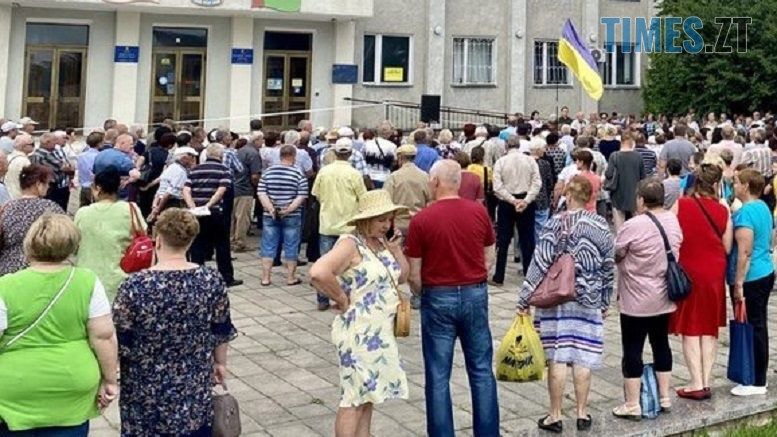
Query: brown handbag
{"points": [[402, 319], [558, 285], [226, 415]]}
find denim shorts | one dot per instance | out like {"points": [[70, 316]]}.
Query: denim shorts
{"points": [[287, 230]]}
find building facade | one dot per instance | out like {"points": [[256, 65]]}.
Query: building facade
{"points": [[221, 62]]}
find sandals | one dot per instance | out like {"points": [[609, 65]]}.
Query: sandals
{"points": [[666, 405], [584, 424], [554, 427], [296, 282], [627, 412], [266, 284]]}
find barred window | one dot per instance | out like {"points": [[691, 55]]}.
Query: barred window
{"points": [[619, 68], [548, 70], [473, 61]]}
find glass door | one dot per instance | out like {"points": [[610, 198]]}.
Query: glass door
{"points": [[178, 90], [286, 88], [54, 87]]}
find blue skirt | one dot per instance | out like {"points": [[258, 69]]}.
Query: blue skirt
{"points": [[572, 334]]}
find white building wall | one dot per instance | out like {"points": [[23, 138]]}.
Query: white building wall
{"points": [[125, 74], [5, 34]]}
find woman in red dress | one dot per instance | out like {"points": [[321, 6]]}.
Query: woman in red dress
{"points": [[707, 239]]}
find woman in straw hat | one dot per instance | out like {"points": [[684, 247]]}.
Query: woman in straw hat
{"points": [[360, 274]]}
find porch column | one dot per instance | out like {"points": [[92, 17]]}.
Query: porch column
{"points": [[5, 37], [590, 26], [125, 74], [240, 75], [518, 38], [435, 49], [345, 49]]}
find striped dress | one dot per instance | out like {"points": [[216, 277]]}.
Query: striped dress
{"points": [[573, 332]]}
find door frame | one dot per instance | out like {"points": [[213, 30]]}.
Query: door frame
{"points": [[286, 98], [178, 52], [54, 86]]}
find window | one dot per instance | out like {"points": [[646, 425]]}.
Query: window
{"points": [[548, 70], [53, 34], [387, 59], [619, 68], [473, 61]]}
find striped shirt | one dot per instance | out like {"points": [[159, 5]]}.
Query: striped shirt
{"points": [[205, 179], [759, 157], [282, 184], [649, 160], [54, 161]]}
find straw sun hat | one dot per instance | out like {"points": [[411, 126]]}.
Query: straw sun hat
{"points": [[374, 204]]}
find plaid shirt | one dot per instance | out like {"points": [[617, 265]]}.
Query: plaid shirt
{"points": [[356, 160], [232, 161]]}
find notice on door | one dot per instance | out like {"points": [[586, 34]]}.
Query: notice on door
{"points": [[297, 83], [274, 84], [393, 74]]}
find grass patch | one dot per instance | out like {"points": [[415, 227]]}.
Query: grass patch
{"points": [[769, 430]]}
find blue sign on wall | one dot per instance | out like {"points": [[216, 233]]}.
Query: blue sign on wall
{"points": [[242, 56], [345, 74], [128, 54]]}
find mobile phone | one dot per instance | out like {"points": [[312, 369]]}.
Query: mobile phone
{"points": [[390, 233]]}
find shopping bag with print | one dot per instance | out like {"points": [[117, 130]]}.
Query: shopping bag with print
{"points": [[520, 357], [741, 363], [649, 399]]}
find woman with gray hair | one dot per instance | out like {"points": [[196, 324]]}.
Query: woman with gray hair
{"points": [[544, 198]]}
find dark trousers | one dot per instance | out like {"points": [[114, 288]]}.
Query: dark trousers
{"points": [[756, 302], [60, 196], [507, 219], [634, 330], [310, 230], [53, 431], [214, 235]]}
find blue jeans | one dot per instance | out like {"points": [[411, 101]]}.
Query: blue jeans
{"points": [[325, 243], [288, 229], [540, 218], [54, 431], [448, 313]]}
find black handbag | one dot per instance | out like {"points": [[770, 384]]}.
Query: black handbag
{"points": [[678, 285]]}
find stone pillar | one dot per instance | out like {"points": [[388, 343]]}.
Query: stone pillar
{"points": [[435, 48], [589, 26], [345, 53], [518, 40], [5, 37], [125, 74], [240, 76]]}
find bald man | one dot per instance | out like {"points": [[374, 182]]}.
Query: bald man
{"points": [[118, 156]]}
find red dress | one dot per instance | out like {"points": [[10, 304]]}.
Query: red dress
{"points": [[703, 258]]}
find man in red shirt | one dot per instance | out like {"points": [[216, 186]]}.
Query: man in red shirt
{"points": [[450, 247]]}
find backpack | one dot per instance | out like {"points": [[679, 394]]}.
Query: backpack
{"points": [[140, 252]]}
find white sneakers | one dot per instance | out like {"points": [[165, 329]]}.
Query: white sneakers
{"points": [[748, 390]]}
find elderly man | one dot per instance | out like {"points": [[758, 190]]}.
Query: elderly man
{"points": [[59, 188], [23, 145], [8, 132], [205, 188], [85, 164], [28, 125], [4, 196], [119, 158], [408, 186], [245, 188], [172, 181], [729, 133], [450, 247], [338, 188], [579, 123], [517, 182], [679, 148]]}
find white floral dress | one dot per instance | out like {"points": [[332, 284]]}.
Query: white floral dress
{"points": [[370, 367]]}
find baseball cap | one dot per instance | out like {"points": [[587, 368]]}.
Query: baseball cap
{"points": [[181, 151], [407, 149], [8, 126], [343, 145], [345, 131], [27, 120]]}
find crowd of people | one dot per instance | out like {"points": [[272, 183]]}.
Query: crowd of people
{"points": [[374, 208]]}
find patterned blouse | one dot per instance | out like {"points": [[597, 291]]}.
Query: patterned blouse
{"points": [[591, 244], [168, 324], [16, 217]]}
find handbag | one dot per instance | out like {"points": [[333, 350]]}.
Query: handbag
{"points": [[140, 253], [558, 285], [43, 313], [611, 183], [678, 285], [226, 414], [402, 318], [741, 361]]}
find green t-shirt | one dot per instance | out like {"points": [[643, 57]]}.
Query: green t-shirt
{"points": [[105, 235]]}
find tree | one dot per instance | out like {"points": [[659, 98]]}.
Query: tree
{"points": [[720, 82]]}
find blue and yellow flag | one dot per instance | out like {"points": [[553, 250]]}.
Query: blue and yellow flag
{"points": [[574, 54]]}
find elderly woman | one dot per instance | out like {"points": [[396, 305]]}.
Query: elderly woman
{"points": [[753, 270], [106, 230], [642, 289], [57, 342], [707, 238], [447, 147], [360, 274], [572, 333], [544, 198], [17, 216], [173, 325]]}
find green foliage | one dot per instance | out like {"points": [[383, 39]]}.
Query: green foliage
{"points": [[721, 82]]}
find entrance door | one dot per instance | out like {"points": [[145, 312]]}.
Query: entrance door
{"points": [[286, 88], [178, 91], [55, 86]]}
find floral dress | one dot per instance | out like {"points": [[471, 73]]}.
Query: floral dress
{"points": [[370, 367]]}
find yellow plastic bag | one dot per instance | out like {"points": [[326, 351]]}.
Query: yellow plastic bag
{"points": [[520, 357]]}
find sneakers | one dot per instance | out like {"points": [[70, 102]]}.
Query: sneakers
{"points": [[748, 390]]}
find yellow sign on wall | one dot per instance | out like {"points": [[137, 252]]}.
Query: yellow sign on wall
{"points": [[393, 74]]}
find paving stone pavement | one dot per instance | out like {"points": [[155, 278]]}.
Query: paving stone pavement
{"points": [[284, 371]]}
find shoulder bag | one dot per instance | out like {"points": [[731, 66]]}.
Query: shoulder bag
{"points": [[43, 314], [140, 253], [558, 285], [226, 414], [678, 285], [402, 319], [611, 184]]}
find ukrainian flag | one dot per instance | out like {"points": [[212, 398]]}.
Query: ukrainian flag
{"points": [[573, 53]]}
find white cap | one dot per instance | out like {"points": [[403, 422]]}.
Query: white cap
{"points": [[27, 120], [345, 131], [343, 145], [8, 126], [181, 151]]}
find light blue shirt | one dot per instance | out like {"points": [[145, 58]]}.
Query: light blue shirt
{"points": [[302, 160], [425, 157], [85, 164], [755, 215]]}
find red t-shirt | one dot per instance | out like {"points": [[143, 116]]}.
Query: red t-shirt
{"points": [[471, 188], [449, 236], [596, 184]]}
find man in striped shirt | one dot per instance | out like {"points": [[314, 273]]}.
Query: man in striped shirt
{"points": [[47, 155], [282, 192], [205, 187]]}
